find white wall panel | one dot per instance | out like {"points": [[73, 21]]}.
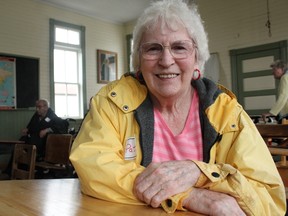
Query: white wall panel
{"points": [[257, 64], [259, 83], [260, 102]]}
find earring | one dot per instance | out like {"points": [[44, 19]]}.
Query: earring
{"points": [[196, 74]]}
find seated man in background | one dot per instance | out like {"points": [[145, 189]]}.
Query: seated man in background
{"points": [[43, 122]]}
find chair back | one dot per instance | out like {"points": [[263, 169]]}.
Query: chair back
{"points": [[23, 165], [58, 148]]}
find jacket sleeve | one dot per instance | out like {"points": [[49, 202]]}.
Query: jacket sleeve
{"points": [[248, 172], [97, 155]]}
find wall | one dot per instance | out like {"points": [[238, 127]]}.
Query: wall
{"points": [[239, 24], [12, 123], [230, 25], [25, 31]]}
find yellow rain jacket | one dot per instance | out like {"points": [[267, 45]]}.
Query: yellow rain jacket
{"points": [[115, 144]]}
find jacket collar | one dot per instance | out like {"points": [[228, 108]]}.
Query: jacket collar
{"points": [[214, 121]]}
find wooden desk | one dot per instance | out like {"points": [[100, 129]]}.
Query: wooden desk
{"points": [[273, 130], [277, 131], [63, 197]]}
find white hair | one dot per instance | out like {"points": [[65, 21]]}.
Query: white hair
{"points": [[44, 101], [172, 13]]}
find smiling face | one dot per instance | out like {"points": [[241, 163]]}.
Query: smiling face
{"points": [[167, 77]]}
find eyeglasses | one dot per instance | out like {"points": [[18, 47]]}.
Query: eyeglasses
{"points": [[178, 49]]}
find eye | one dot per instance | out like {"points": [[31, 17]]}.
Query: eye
{"points": [[179, 47], [152, 48]]}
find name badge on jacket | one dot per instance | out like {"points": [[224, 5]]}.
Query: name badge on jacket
{"points": [[47, 119], [130, 149]]}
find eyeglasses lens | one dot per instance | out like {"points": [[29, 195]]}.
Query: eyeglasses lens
{"points": [[178, 49]]}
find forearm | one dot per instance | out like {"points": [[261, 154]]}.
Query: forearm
{"points": [[266, 198], [211, 203], [159, 181], [98, 181], [104, 174]]}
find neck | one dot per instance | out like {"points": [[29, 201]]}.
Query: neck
{"points": [[175, 103], [175, 112]]}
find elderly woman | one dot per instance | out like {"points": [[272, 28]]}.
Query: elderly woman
{"points": [[168, 137]]}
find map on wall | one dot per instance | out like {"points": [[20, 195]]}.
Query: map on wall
{"points": [[7, 82]]}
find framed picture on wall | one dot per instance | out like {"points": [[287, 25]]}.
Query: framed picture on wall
{"points": [[107, 66]]}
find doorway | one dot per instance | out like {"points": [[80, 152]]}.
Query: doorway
{"points": [[252, 79]]}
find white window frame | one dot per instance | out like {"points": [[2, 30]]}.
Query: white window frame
{"points": [[81, 81]]}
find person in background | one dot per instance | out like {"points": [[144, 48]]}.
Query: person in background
{"points": [[168, 137], [43, 122], [280, 108]]}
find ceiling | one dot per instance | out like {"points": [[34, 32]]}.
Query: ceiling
{"points": [[115, 11]]}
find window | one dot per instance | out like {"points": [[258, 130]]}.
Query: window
{"points": [[67, 69]]}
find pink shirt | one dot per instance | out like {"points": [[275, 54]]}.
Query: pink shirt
{"points": [[187, 145]]}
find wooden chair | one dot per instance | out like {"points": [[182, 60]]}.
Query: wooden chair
{"points": [[23, 164], [277, 131], [57, 152]]}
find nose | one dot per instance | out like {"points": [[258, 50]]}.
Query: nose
{"points": [[166, 58]]}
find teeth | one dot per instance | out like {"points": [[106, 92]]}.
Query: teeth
{"points": [[167, 76]]}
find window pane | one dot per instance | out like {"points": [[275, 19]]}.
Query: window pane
{"points": [[59, 65], [71, 66], [61, 35], [72, 89], [60, 105], [65, 66], [60, 89], [73, 37], [66, 89], [68, 36], [73, 105], [67, 99]]}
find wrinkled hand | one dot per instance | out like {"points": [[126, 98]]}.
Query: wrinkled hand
{"points": [[160, 181], [212, 203]]}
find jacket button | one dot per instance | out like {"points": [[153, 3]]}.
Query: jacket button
{"points": [[113, 94], [215, 174], [169, 203], [125, 108]]}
